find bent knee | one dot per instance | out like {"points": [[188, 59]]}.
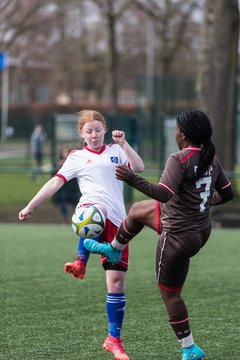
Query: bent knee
{"points": [[139, 210], [135, 210], [144, 212]]}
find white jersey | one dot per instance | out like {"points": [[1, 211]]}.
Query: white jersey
{"points": [[95, 173]]}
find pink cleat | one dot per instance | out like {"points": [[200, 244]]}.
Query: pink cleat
{"points": [[114, 345]]}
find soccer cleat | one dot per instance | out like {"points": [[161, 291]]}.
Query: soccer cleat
{"points": [[192, 352], [114, 345], [95, 247], [76, 268]]}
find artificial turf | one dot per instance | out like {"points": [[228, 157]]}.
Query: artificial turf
{"points": [[46, 314]]}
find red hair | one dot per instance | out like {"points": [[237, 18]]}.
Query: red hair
{"points": [[86, 116]]}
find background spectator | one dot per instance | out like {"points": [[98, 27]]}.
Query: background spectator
{"points": [[37, 143]]}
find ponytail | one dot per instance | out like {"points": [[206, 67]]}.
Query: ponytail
{"points": [[197, 127]]}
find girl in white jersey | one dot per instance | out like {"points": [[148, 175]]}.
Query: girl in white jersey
{"points": [[94, 168]]}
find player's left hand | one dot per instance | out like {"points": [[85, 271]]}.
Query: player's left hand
{"points": [[24, 214], [122, 172], [118, 136]]}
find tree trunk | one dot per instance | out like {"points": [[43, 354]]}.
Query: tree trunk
{"points": [[113, 59], [216, 84]]}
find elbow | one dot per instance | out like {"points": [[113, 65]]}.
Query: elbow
{"points": [[231, 196], [139, 168]]}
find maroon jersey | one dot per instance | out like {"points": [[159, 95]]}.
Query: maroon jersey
{"points": [[188, 208]]}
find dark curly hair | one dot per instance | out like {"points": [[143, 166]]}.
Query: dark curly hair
{"points": [[197, 127]]}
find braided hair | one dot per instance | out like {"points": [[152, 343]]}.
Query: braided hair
{"points": [[197, 127]]}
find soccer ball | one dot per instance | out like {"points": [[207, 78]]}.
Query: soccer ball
{"points": [[88, 221]]}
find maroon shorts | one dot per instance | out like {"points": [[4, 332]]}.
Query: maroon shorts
{"points": [[107, 235], [173, 254]]}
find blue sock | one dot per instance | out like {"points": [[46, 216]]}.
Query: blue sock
{"points": [[115, 311], [82, 252]]}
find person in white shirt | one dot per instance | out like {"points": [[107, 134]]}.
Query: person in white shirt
{"points": [[94, 167]]}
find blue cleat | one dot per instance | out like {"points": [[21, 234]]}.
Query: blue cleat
{"points": [[95, 247], [192, 352]]}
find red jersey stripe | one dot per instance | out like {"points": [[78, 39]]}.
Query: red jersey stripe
{"points": [[61, 176], [158, 215], [168, 289], [224, 187], [187, 156], [167, 187], [94, 151]]}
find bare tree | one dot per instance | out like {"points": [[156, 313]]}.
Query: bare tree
{"points": [[17, 18], [174, 28], [217, 73], [78, 51], [111, 11], [23, 34]]}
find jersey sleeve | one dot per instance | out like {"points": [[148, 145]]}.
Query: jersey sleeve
{"points": [[172, 175], [223, 190], [168, 184], [68, 170], [222, 181], [123, 157]]}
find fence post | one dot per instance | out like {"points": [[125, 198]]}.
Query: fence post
{"points": [[53, 140]]}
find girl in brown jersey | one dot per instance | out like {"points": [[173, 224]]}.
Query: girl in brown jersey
{"points": [[192, 181]]}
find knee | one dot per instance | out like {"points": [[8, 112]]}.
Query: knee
{"points": [[133, 211], [170, 297], [119, 286], [136, 211], [116, 285]]}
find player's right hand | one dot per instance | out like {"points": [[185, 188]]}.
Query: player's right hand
{"points": [[122, 172], [24, 214]]}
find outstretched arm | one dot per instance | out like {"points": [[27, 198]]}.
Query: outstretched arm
{"points": [[133, 157], [154, 191], [50, 188]]}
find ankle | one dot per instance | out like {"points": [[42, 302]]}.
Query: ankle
{"points": [[117, 245], [187, 341]]}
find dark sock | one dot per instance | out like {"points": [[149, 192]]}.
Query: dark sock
{"points": [[127, 231]]}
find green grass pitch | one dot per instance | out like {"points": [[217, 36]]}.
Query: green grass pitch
{"points": [[46, 314]]}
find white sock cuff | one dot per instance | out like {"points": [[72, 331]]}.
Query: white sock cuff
{"points": [[117, 245], [187, 341]]}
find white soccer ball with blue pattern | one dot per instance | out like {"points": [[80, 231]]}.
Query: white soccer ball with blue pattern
{"points": [[88, 221]]}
